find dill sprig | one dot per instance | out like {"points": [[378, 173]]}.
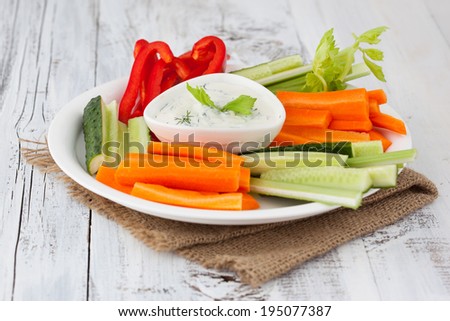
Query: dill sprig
{"points": [[185, 119]]}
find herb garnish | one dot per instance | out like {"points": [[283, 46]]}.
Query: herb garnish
{"points": [[242, 105], [185, 119]]}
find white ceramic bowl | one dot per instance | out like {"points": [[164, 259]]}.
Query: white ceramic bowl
{"points": [[230, 139]]}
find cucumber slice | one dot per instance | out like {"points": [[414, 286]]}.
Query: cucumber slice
{"points": [[263, 162], [139, 135], [369, 148], [333, 196], [344, 148], [383, 176], [92, 130], [389, 158], [330, 176], [110, 134]]}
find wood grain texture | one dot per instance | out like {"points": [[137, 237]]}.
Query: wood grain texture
{"points": [[51, 51]]}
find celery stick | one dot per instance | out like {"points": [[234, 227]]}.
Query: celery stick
{"points": [[285, 75], [295, 84], [267, 69], [397, 157]]}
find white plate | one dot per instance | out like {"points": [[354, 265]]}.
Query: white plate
{"points": [[65, 141]]}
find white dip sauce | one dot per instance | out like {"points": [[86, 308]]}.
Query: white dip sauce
{"points": [[220, 93]]}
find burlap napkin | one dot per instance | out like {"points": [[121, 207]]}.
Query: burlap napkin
{"points": [[257, 253]]}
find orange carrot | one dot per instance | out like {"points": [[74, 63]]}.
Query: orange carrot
{"points": [[284, 138], [374, 107], [352, 125], [248, 202], [350, 104], [188, 198], [388, 122], [307, 117], [244, 180], [106, 175], [325, 135], [178, 172], [376, 135], [377, 94], [211, 154]]}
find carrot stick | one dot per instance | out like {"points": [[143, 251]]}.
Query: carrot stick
{"points": [[352, 125], [188, 198], [211, 154], [284, 138], [376, 135], [377, 94], [374, 107], [244, 180], [388, 122], [106, 175], [325, 135], [350, 104], [178, 172], [248, 202], [307, 117]]}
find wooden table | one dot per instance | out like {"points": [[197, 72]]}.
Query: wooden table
{"points": [[52, 248]]}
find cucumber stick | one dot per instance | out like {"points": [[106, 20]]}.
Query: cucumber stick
{"points": [[330, 176], [263, 162], [383, 176], [369, 148], [110, 132], [101, 129], [139, 135], [332, 196], [92, 130], [123, 131]]}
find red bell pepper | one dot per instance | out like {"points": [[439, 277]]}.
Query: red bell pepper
{"points": [[212, 50], [138, 46], [154, 84], [151, 75], [170, 79], [196, 68], [128, 101]]}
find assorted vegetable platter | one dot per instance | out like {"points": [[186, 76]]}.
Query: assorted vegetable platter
{"points": [[332, 148]]}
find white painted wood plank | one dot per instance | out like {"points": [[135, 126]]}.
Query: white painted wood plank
{"points": [[50, 259]]}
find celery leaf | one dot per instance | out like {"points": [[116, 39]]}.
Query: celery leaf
{"points": [[242, 105], [201, 95], [331, 65]]}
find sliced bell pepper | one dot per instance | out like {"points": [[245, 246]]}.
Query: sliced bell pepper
{"points": [[170, 79], [151, 75], [154, 84], [138, 46], [128, 101], [212, 50], [196, 68]]}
